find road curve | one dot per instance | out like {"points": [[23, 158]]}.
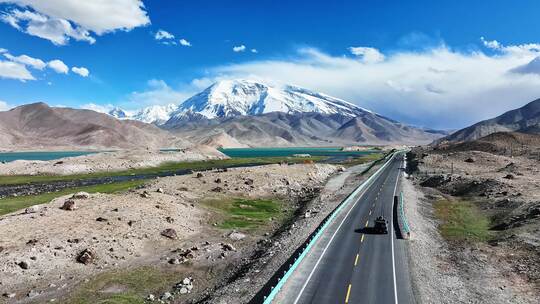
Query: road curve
{"points": [[351, 264]]}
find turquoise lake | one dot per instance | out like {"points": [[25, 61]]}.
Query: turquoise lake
{"points": [[281, 152], [237, 152], [48, 155]]}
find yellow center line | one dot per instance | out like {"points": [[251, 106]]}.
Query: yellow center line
{"points": [[356, 260], [348, 294], [362, 239], [367, 222]]}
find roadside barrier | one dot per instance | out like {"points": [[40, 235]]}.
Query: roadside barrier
{"points": [[290, 265], [406, 229]]}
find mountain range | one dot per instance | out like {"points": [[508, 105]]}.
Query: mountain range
{"points": [[229, 113], [246, 112], [523, 120]]}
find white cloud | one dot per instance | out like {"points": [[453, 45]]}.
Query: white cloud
{"points": [[367, 54], [437, 87], [239, 48], [4, 106], [58, 66], [254, 51], [61, 20], [184, 42], [98, 108], [158, 92], [82, 71], [162, 34], [26, 60], [492, 44], [14, 70]]}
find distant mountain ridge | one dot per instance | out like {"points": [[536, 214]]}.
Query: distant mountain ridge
{"points": [[36, 126], [246, 112], [303, 129], [525, 120]]}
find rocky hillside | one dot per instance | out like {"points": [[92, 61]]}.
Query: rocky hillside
{"points": [[38, 126], [525, 120], [502, 143], [303, 129]]}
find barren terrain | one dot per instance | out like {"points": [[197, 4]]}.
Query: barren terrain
{"points": [[176, 226], [467, 264]]}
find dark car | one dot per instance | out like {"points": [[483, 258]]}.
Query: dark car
{"points": [[381, 225]]}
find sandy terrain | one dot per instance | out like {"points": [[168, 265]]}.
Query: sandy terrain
{"points": [[109, 161], [40, 247]]}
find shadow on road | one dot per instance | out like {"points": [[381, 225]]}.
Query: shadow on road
{"points": [[367, 230], [395, 220]]}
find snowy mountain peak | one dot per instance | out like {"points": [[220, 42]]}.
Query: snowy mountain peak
{"points": [[228, 98], [155, 114], [118, 113]]}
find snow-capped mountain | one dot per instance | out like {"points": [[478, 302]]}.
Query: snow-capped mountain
{"points": [[118, 113], [229, 98], [155, 114]]}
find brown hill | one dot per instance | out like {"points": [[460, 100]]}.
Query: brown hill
{"points": [[38, 126], [506, 143]]}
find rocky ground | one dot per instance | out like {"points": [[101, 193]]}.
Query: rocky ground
{"points": [[109, 161], [54, 251], [506, 268]]}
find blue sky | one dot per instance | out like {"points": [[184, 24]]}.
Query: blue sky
{"points": [[404, 59]]}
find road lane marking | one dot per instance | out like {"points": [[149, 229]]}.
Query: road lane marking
{"points": [[362, 239], [356, 260], [335, 232], [392, 240], [370, 212], [367, 222], [348, 294]]}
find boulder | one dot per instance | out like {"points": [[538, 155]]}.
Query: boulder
{"points": [[86, 257], [169, 233], [32, 209], [69, 205], [160, 190], [236, 236], [81, 195], [469, 160], [145, 194], [218, 181], [199, 175], [228, 247], [23, 265], [217, 189]]}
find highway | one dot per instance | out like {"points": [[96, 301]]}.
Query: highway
{"points": [[351, 264]]}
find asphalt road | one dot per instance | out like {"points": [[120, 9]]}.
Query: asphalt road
{"points": [[352, 264]]}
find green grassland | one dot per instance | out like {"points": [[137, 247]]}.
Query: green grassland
{"points": [[132, 285], [462, 221], [249, 214]]}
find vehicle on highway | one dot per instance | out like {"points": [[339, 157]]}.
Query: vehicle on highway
{"points": [[381, 225]]}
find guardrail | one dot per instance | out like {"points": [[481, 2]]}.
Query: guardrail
{"points": [[308, 244], [405, 223]]}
